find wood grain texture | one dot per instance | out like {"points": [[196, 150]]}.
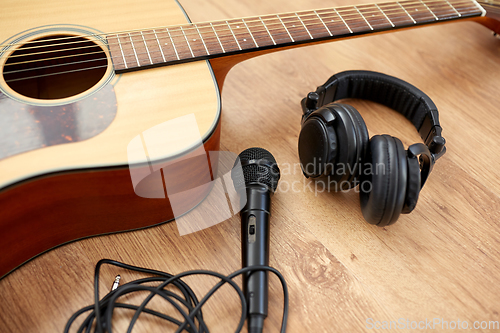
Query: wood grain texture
{"points": [[45, 212], [441, 261]]}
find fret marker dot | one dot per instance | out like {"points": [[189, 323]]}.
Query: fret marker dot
{"points": [[194, 40], [244, 40], [237, 26], [293, 25]]}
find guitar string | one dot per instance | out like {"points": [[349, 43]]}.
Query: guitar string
{"points": [[103, 66], [252, 17], [318, 24], [225, 25], [269, 16], [207, 42], [196, 27]]}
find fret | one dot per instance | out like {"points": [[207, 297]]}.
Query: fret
{"points": [[128, 53], [456, 11], [418, 11], [284, 26], [194, 41], [276, 30], [173, 45], [435, 17], [180, 43], [159, 46], [166, 46], [153, 49], [133, 48], [396, 14], [313, 24], [392, 24], [343, 20], [147, 49], [465, 7], [121, 49], [323, 23], [444, 12], [150, 52], [407, 13], [141, 48], [304, 26], [334, 23], [357, 23], [226, 37], [210, 39], [218, 39], [374, 17], [116, 50], [187, 42], [241, 34], [294, 28], [202, 39], [232, 32], [263, 41], [256, 45], [371, 28]]}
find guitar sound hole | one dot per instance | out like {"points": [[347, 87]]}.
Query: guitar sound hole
{"points": [[53, 67]]}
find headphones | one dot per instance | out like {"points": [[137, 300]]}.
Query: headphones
{"points": [[334, 144]]}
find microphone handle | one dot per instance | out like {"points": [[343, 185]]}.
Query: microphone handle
{"points": [[255, 252]]}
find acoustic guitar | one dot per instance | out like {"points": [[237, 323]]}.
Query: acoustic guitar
{"points": [[77, 86]]}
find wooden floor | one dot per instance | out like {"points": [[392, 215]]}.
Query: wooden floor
{"points": [[441, 262]]}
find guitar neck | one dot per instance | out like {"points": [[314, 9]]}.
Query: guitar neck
{"points": [[141, 49]]}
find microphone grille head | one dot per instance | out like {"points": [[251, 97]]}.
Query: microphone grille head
{"points": [[259, 167]]}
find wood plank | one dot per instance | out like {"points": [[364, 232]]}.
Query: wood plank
{"points": [[441, 261]]}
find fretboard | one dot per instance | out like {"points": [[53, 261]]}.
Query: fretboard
{"points": [[161, 46]]}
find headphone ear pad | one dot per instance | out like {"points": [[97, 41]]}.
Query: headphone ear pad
{"points": [[413, 189], [383, 187], [362, 141], [352, 145]]}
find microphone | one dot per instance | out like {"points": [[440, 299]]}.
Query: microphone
{"points": [[261, 175]]}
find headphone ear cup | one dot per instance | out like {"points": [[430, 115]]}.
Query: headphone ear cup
{"points": [[333, 142], [413, 187], [352, 146], [383, 188], [355, 166]]}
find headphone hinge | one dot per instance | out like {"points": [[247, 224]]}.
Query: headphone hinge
{"points": [[309, 104], [323, 95], [430, 132]]}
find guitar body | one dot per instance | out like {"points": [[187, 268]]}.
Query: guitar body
{"points": [[84, 151], [64, 139]]}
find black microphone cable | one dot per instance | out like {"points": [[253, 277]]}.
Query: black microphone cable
{"points": [[101, 312]]}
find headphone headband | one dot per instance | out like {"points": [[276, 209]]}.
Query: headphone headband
{"points": [[392, 92]]}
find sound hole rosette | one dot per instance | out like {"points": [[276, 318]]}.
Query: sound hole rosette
{"points": [[54, 65]]}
